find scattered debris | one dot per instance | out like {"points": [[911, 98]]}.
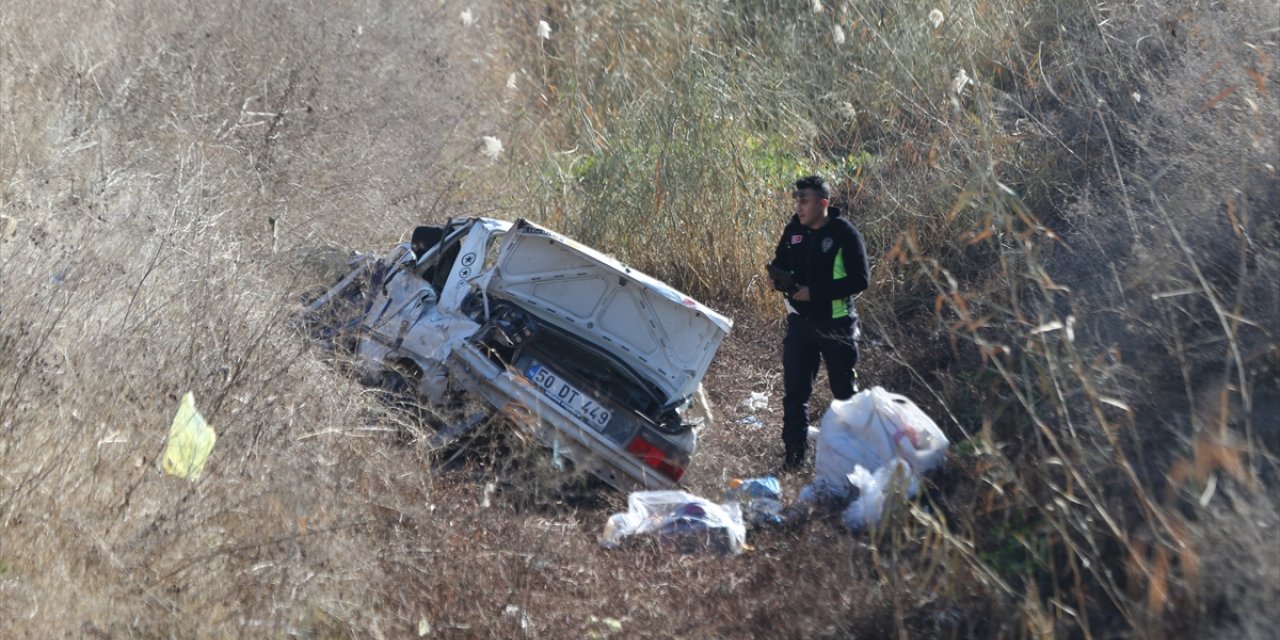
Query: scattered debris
{"points": [[936, 18], [512, 611], [191, 440], [491, 147], [757, 401], [603, 627], [485, 500], [761, 499], [681, 522], [872, 446]]}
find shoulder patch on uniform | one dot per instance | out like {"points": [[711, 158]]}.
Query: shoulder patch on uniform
{"points": [[797, 239]]}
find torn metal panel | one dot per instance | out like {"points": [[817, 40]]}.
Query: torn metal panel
{"points": [[595, 359]]}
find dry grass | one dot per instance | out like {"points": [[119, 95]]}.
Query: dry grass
{"points": [[172, 180], [1072, 263]]}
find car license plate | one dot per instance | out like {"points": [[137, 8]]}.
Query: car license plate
{"points": [[577, 403]]}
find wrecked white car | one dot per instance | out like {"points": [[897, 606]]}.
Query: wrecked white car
{"points": [[600, 362]]}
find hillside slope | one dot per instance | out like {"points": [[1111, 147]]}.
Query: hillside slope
{"points": [[1075, 272]]}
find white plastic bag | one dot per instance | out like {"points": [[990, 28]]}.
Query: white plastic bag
{"points": [[872, 428], [681, 522], [863, 443], [874, 489]]}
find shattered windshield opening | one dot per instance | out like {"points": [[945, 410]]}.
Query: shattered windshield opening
{"points": [[436, 268], [493, 250]]}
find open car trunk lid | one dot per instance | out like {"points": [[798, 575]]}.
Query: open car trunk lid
{"points": [[659, 332]]}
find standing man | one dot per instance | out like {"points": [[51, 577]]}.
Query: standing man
{"points": [[820, 265]]}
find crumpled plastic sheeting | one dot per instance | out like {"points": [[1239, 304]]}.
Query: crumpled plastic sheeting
{"points": [[874, 489], [877, 443], [191, 441], [681, 522]]}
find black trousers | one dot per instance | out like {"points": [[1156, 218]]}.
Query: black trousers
{"points": [[806, 345]]}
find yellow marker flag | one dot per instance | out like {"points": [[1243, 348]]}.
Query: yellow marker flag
{"points": [[190, 441]]}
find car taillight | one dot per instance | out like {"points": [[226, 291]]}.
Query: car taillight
{"points": [[655, 458]]}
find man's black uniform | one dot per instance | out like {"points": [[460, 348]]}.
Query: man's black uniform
{"points": [[832, 262]]}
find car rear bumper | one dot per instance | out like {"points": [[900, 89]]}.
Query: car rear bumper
{"points": [[510, 392]]}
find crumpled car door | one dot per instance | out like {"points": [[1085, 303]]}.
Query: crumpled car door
{"points": [[408, 299]]}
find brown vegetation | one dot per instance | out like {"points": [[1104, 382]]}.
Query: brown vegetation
{"points": [[1075, 272]]}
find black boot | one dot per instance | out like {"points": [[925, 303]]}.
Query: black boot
{"points": [[796, 453]]}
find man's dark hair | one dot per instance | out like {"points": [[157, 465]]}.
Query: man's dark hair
{"points": [[814, 183]]}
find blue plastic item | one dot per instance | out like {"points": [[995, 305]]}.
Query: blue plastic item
{"points": [[761, 499]]}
